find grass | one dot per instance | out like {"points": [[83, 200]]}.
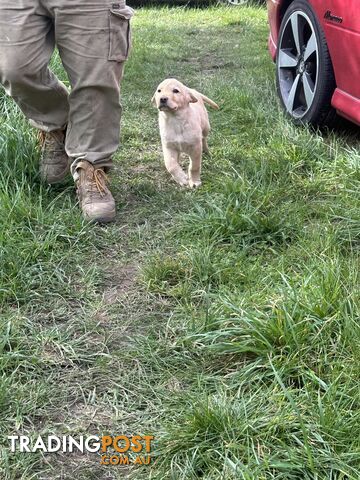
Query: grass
{"points": [[223, 321]]}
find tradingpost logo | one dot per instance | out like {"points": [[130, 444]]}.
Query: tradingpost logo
{"points": [[114, 450]]}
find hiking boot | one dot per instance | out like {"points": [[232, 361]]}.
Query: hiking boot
{"points": [[96, 201], [54, 162]]}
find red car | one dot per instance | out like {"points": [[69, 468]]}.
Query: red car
{"points": [[316, 46]]}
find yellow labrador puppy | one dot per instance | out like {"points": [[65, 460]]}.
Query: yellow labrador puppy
{"points": [[184, 127]]}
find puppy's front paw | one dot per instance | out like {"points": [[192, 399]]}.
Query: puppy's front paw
{"points": [[183, 183], [194, 184], [182, 180]]}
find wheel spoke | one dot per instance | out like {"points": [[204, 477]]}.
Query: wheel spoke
{"points": [[296, 32], [311, 47], [286, 60], [292, 94], [309, 89]]}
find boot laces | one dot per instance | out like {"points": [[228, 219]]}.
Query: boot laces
{"points": [[42, 137], [49, 141], [99, 180]]}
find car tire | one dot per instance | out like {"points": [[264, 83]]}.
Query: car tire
{"points": [[304, 73]]}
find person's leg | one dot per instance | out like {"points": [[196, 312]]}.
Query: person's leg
{"points": [[93, 38], [26, 45]]}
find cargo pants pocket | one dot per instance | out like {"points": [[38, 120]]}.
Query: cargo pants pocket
{"points": [[120, 31]]}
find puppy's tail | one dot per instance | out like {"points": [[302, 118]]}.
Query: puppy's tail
{"points": [[204, 98], [209, 101]]}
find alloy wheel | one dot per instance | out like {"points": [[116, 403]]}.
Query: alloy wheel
{"points": [[298, 64]]}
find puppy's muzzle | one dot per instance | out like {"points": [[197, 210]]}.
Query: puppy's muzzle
{"points": [[164, 104]]}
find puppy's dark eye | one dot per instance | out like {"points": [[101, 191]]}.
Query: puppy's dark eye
{"points": [[176, 90], [159, 91]]}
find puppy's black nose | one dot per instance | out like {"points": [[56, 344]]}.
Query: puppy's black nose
{"points": [[163, 100]]}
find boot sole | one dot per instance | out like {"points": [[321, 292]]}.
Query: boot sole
{"points": [[109, 218]]}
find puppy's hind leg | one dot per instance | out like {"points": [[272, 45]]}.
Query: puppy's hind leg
{"points": [[205, 134], [195, 166], [171, 158], [205, 146]]}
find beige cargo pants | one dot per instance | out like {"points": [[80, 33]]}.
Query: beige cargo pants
{"points": [[93, 38]]}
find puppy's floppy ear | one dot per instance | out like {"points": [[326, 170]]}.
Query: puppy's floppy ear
{"points": [[193, 98], [153, 100]]}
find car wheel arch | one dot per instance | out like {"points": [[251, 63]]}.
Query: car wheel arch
{"points": [[284, 6]]}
